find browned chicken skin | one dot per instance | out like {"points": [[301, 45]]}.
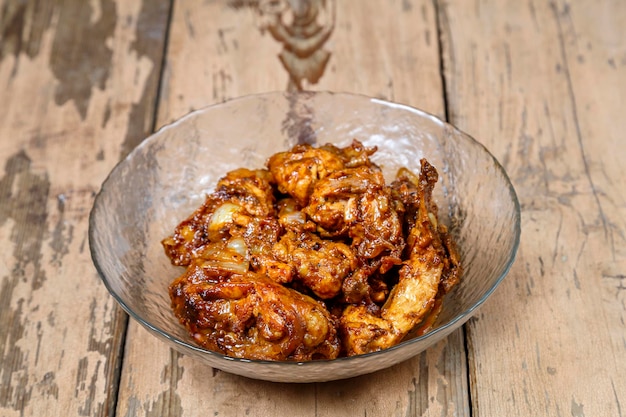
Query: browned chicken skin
{"points": [[413, 297], [312, 258], [241, 193], [318, 264], [250, 316]]}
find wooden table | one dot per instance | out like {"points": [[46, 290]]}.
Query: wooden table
{"points": [[541, 83]]}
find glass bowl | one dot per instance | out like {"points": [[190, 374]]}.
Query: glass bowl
{"points": [[168, 175]]}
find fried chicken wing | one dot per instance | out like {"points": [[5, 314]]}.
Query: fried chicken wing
{"points": [[242, 192], [415, 293], [319, 265], [251, 189], [333, 198], [406, 192], [249, 316], [355, 203], [296, 171]]}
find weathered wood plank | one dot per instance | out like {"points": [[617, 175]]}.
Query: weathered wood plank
{"points": [[217, 51], [72, 72], [542, 84]]}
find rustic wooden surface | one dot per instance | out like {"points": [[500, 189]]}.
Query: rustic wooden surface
{"points": [[541, 84]]}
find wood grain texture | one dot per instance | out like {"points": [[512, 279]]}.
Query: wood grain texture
{"points": [[217, 51], [542, 84], [70, 72]]}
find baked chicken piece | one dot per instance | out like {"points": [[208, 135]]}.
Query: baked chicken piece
{"points": [[412, 298]]}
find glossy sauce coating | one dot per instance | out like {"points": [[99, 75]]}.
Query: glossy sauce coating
{"points": [[314, 257]]}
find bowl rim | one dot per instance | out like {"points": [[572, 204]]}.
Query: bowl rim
{"points": [[445, 328]]}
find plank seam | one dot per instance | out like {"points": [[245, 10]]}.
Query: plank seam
{"points": [[159, 92], [439, 16], [117, 376], [440, 46], [119, 365]]}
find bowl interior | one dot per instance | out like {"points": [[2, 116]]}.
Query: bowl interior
{"points": [[166, 178]]}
